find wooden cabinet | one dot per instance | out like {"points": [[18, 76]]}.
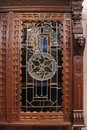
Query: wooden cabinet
{"points": [[41, 65]]}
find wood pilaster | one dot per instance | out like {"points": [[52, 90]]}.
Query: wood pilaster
{"points": [[78, 49]]}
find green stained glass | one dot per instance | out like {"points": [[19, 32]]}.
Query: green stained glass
{"points": [[42, 66], [48, 62], [36, 69], [41, 59], [47, 69], [35, 62]]}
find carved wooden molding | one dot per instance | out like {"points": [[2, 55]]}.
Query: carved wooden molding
{"points": [[13, 65], [39, 5], [35, 9], [9, 76], [3, 42], [35, 3], [41, 16], [68, 77], [41, 116], [67, 48], [16, 65]]}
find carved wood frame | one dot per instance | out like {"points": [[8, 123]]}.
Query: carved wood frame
{"points": [[66, 21], [10, 24], [13, 66]]}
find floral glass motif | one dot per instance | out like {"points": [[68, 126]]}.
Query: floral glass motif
{"points": [[42, 66], [42, 46]]}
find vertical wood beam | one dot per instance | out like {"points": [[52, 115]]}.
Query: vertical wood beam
{"points": [[9, 80], [3, 42], [78, 49]]}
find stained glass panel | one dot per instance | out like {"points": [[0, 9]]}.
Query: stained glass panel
{"points": [[42, 45]]}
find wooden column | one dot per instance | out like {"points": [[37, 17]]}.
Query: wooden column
{"points": [[78, 49]]}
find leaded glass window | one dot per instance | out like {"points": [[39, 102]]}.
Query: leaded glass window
{"points": [[42, 46]]}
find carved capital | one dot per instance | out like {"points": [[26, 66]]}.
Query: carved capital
{"points": [[77, 16], [76, 22], [77, 5]]}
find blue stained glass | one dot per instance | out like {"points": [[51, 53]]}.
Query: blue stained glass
{"points": [[39, 82], [44, 88], [38, 45], [39, 88], [44, 50], [44, 44]]}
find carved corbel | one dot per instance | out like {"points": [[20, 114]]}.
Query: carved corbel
{"points": [[79, 45]]}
